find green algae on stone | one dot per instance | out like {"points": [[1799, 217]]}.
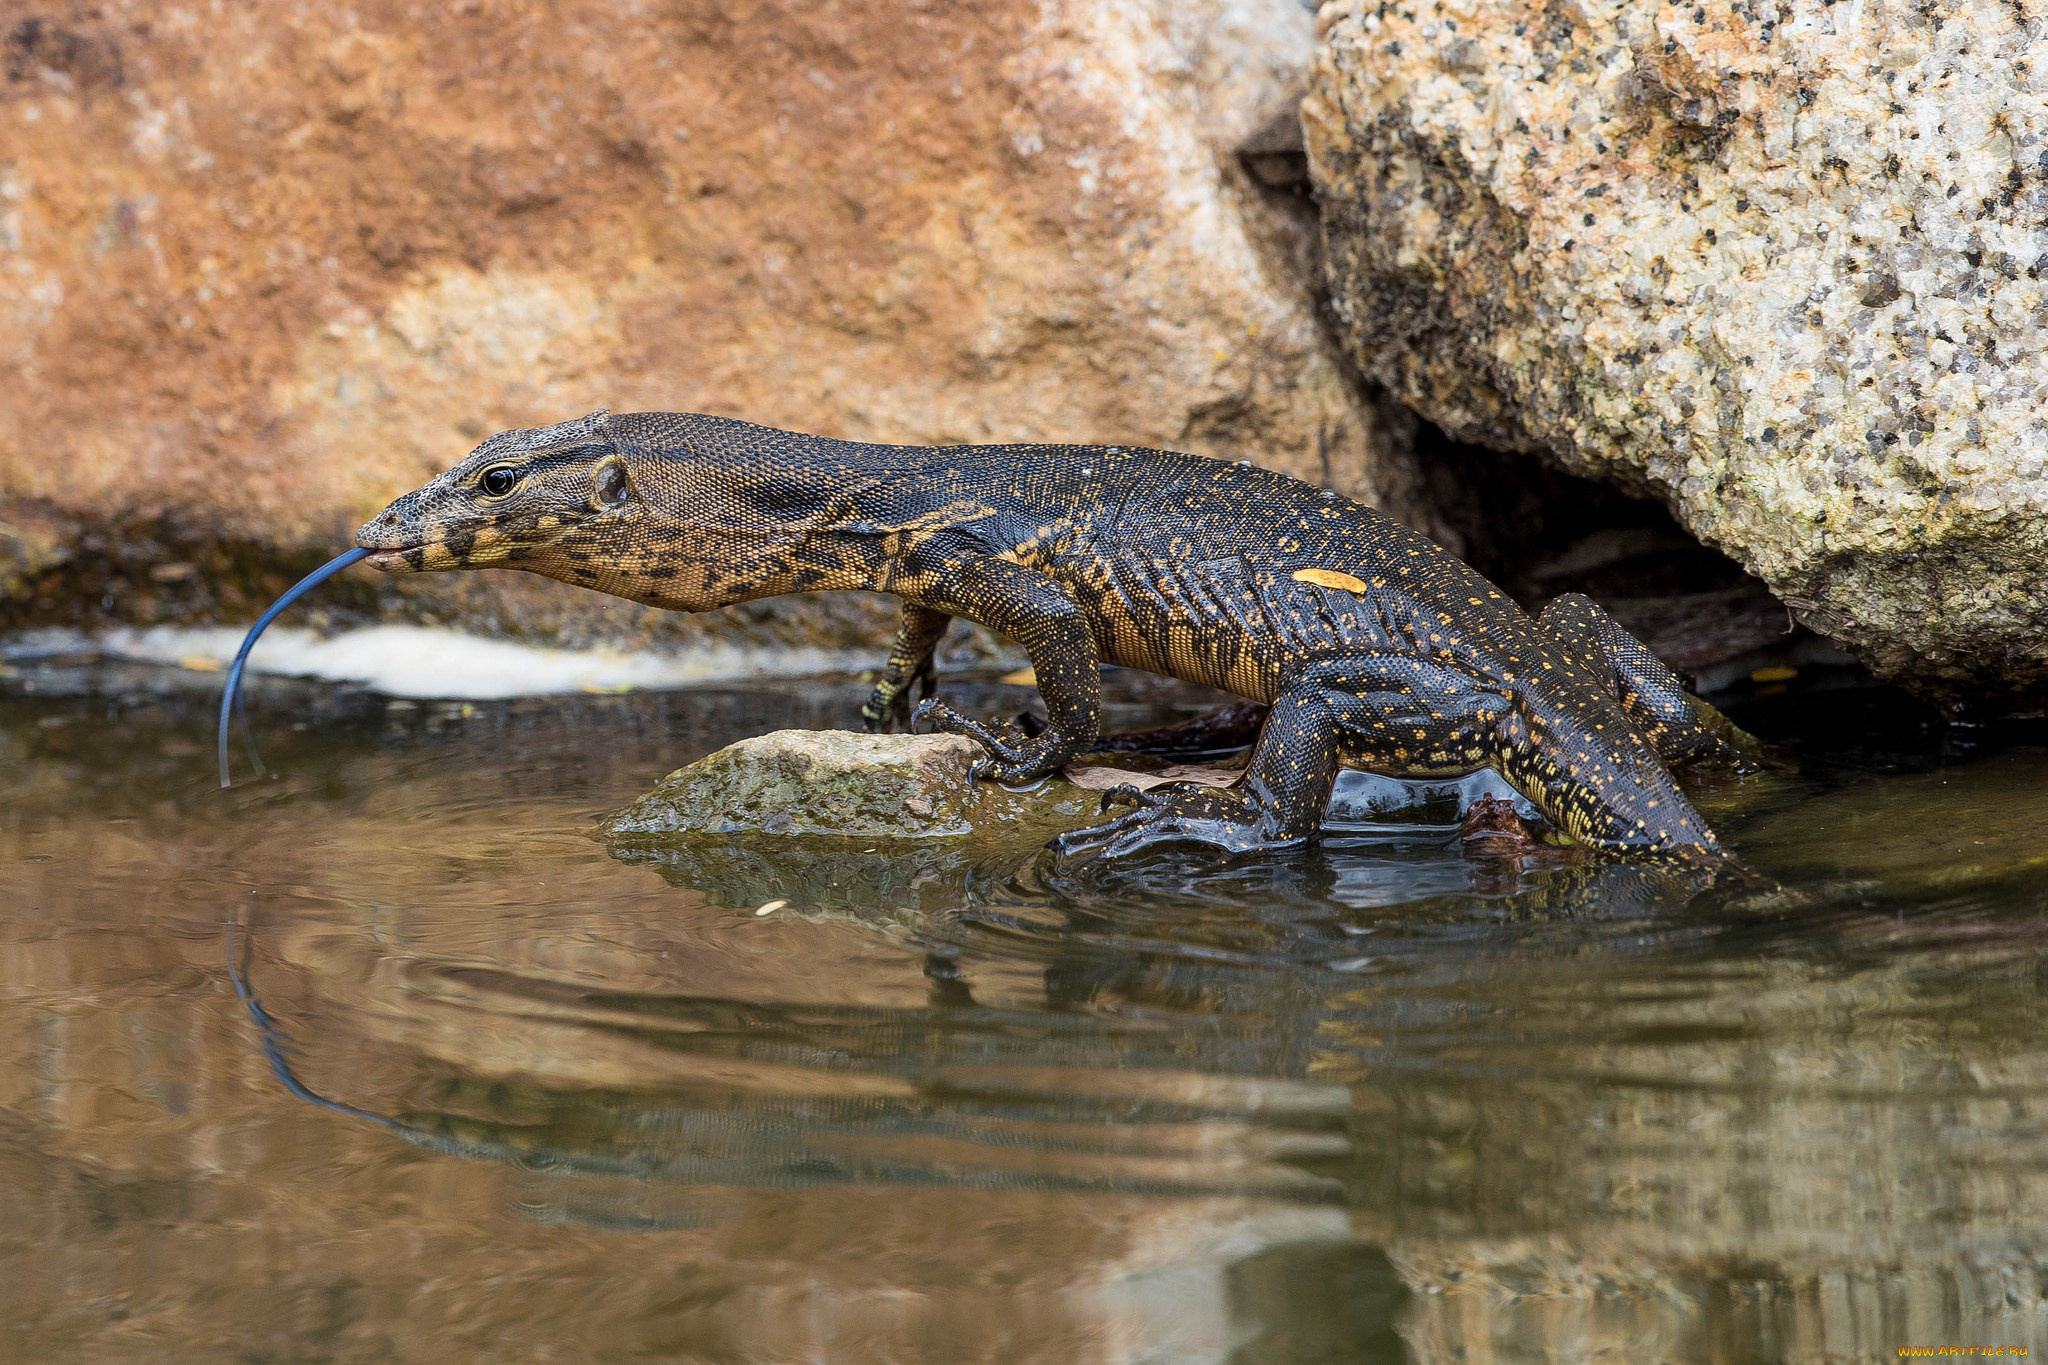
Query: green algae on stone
{"points": [[834, 782]]}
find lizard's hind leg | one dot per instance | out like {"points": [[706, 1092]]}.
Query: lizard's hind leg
{"points": [[1681, 727], [1279, 800], [1409, 710], [911, 667]]}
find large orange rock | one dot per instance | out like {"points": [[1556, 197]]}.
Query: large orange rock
{"points": [[261, 269]]}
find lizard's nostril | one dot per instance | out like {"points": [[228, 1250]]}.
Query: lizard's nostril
{"points": [[386, 531]]}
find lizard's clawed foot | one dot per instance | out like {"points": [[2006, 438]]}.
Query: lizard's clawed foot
{"points": [[1012, 764], [888, 706], [1218, 817]]}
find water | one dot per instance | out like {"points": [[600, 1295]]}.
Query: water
{"points": [[1367, 1103]]}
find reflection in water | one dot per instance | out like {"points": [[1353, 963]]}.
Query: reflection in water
{"points": [[1362, 1102], [271, 1039]]}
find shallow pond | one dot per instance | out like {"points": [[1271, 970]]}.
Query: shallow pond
{"points": [[497, 1094]]}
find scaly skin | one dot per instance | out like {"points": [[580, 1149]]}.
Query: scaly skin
{"points": [[1373, 647]]}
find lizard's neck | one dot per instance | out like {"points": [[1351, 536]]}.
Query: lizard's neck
{"points": [[734, 512]]}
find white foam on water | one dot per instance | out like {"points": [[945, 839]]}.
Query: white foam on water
{"points": [[425, 662]]}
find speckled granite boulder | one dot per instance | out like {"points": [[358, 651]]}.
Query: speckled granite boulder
{"points": [[1778, 262], [833, 782]]}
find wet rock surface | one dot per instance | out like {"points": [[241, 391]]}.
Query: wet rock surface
{"points": [[834, 782], [1777, 265], [266, 272]]}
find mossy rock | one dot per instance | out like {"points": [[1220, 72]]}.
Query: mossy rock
{"points": [[834, 782]]}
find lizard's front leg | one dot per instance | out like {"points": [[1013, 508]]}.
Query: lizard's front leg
{"points": [[910, 667], [1039, 613]]}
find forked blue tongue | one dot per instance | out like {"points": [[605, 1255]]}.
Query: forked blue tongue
{"points": [[233, 692]]}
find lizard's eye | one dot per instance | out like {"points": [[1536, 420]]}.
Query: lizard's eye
{"points": [[499, 481]]}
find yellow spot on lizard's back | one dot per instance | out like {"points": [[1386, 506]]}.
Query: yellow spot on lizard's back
{"points": [[1329, 578]]}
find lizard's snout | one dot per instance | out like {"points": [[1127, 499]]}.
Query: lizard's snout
{"points": [[394, 538]]}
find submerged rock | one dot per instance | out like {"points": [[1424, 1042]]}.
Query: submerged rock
{"points": [[834, 782], [1780, 265], [871, 824], [875, 878]]}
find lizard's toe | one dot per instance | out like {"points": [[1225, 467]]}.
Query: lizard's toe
{"points": [[887, 710], [1125, 794], [1092, 837], [1018, 776], [940, 717], [1222, 820]]}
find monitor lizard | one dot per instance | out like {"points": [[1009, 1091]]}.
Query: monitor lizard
{"points": [[1373, 647]]}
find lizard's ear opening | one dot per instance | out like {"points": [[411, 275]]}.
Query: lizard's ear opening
{"points": [[609, 485]]}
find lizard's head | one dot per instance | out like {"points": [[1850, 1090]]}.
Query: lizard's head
{"points": [[676, 510], [1585, 767], [539, 499]]}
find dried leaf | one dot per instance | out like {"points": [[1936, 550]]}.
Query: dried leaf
{"points": [[1102, 779], [1203, 774]]}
